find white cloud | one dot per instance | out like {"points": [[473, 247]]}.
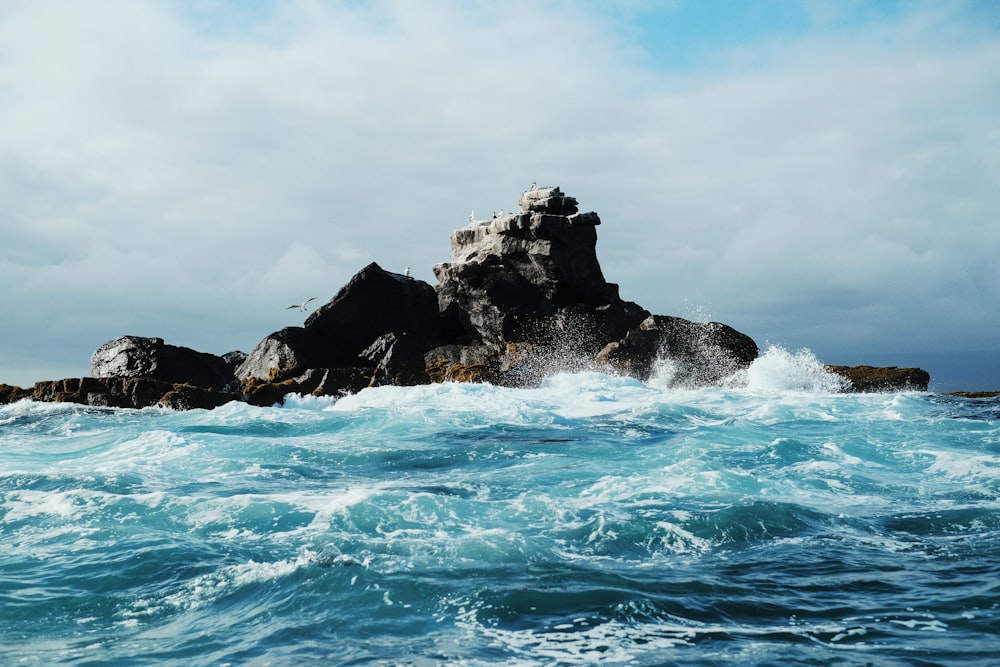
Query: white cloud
{"points": [[838, 190]]}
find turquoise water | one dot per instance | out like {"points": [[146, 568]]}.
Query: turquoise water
{"points": [[593, 519]]}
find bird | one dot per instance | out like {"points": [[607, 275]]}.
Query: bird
{"points": [[472, 216], [301, 306], [406, 272], [533, 186]]}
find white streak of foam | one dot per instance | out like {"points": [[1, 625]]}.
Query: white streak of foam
{"points": [[211, 586]]}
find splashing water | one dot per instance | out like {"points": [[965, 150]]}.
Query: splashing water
{"points": [[778, 370]]}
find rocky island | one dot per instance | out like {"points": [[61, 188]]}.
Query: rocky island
{"points": [[521, 296]]}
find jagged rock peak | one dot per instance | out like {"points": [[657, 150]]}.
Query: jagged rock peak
{"points": [[547, 218], [513, 278], [547, 200]]}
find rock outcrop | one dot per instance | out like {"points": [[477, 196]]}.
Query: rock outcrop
{"points": [[521, 296], [374, 303], [693, 353], [532, 279], [881, 379], [130, 392], [509, 277], [138, 356]]}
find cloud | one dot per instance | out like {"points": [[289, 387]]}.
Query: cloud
{"points": [[186, 174]]}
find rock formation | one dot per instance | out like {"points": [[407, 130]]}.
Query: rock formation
{"points": [[697, 353], [137, 356], [533, 276], [373, 303], [889, 378], [522, 295]]}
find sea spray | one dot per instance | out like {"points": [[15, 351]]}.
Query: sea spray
{"points": [[779, 370]]}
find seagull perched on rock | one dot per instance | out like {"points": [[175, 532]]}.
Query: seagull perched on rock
{"points": [[472, 216], [534, 186], [301, 306], [406, 272]]}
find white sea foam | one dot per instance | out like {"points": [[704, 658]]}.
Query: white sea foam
{"points": [[308, 402], [209, 587], [777, 370]]}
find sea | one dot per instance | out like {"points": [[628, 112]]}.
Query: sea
{"points": [[592, 519]]}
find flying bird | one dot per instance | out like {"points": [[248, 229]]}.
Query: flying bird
{"points": [[301, 306]]}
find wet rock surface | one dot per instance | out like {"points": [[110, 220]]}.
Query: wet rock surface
{"points": [[882, 378]]}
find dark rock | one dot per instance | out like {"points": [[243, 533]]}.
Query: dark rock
{"points": [[282, 355], [462, 363], [882, 379], [973, 394], [11, 393], [266, 394], [188, 397], [547, 200], [336, 382], [635, 355], [533, 278], [376, 302], [129, 392], [138, 356], [694, 353], [398, 360], [373, 303], [234, 359]]}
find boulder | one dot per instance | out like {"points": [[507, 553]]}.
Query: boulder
{"points": [[282, 355], [373, 303], [547, 200], [10, 393], [691, 353], [334, 382], [376, 302], [882, 379], [138, 356]]}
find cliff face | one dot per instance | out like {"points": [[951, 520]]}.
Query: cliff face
{"points": [[522, 295]]}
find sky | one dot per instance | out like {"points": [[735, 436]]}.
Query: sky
{"points": [[818, 174]]}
